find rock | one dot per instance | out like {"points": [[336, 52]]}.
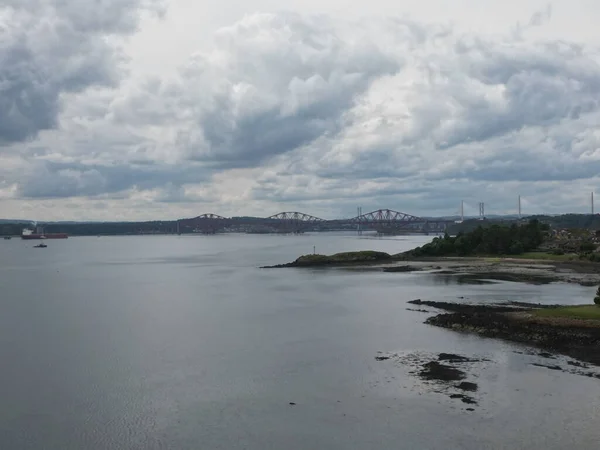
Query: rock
{"points": [[467, 386], [451, 357], [433, 370], [547, 367], [574, 338], [401, 269], [464, 398]]}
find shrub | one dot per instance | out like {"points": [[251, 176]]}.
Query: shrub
{"points": [[587, 247]]}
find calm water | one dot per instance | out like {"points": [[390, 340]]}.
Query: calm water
{"points": [[183, 343]]}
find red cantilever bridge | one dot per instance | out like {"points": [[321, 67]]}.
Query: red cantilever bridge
{"points": [[383, 221]]}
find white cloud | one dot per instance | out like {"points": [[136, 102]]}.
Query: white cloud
{"points": [[294, 111], [52, 47]]}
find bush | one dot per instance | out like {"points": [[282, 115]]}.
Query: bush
{"points": [[587, 247]]}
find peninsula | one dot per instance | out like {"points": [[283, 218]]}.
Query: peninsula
{"points": [[529, 253]]}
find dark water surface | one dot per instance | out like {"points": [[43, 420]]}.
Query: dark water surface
{"points": [[183, 343]]}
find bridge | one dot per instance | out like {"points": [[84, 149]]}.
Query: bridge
{"points": [[383, 221]]}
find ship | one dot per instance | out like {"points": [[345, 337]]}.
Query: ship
{"points": [[38, 233]]}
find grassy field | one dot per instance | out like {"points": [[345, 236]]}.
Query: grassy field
{"points": [[572, 312], [546, 256], [538, 256]]}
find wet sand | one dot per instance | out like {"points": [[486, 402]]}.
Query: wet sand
{"points": [[504, 269]]}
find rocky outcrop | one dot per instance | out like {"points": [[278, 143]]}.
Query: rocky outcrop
{"points": [[339, 259], [576, 338]]}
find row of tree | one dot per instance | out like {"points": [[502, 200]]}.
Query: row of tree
{"points": [[493, 240]]}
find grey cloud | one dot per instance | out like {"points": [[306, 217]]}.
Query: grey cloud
{"points": [[497, 88], [479, 89], [61, 180], [519, 165], [48, 48], [406, 116], [272, 84]]}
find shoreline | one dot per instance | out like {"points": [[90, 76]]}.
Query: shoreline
{"points": [[466, 269], [518, 322], [575, 336]]}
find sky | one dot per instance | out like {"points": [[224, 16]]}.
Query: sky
{"points": [[164, 109]]}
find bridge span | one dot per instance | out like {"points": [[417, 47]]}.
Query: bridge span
{"points": [[383, 221]]}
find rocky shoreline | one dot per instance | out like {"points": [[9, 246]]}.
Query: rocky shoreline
{"points": [[516, 322], [463, 270], [444, 373], [511, 269]]}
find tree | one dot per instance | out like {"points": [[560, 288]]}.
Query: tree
{"points": [[587, 247], [492, 240], [516, 248], [597, 297]]}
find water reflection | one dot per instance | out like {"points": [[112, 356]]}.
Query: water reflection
{"points": [[458, 279], [173, 342]]}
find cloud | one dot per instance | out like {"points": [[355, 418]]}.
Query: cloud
{"points": [[52, 47], [270, 84], [286, 111], [48, 179]]}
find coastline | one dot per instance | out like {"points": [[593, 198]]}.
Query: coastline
{"points": [[518, 322], [577, 337], [466, 269]]}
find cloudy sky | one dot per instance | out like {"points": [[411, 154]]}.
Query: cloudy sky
{"points": [[143, 109]]}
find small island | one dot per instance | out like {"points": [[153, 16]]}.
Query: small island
{"points": [[339, 259]]}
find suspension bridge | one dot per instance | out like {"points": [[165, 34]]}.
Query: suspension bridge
{"points": [[382, 221]]}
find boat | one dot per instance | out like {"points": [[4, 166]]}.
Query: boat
{"points": [[40, 245], [7, 237], [38, 233]]}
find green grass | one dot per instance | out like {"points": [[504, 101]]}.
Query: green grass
{"points": [[540, 256], [545, 256], [571, 312], [345, 257]]}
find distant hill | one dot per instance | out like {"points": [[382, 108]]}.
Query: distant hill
{"points": [[15, 221], [91, 228]]}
